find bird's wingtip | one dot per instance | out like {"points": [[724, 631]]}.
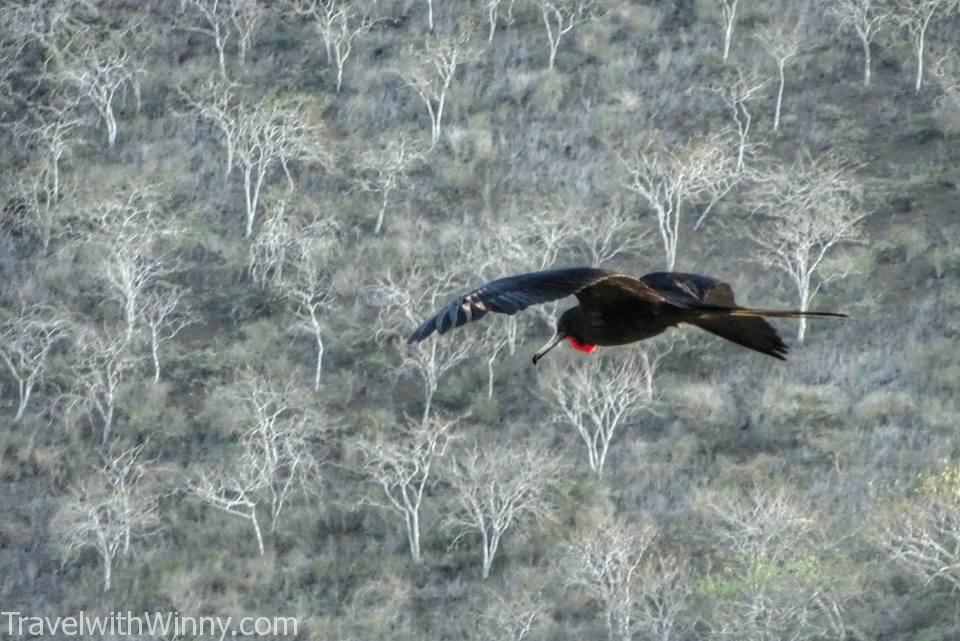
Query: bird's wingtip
{"points": [[420, 333]]}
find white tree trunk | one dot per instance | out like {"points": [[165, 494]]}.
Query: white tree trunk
{"points": [[155, 353], [776, 114], [804, 306], [487, 561], [413, 534], [382, 213], [866, 62], [439, 117], [256, 529], [728, 31], [111, 126], [319, 367], [107, 571], [26, 389], [221, 56], [919, 47]]}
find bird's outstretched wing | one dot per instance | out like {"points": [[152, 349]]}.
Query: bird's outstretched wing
{"points": [[684, 290], [510, 295]]}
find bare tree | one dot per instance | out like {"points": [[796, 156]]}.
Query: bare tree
{"points": [[233, 489], [275, 462], [339, 23], [925, 540], [430, 72], [99, 367], [783, 42], [498, 487], [130, 245], [601, 238], [274, 131], [493, 12], [31, 207], [215, 103], [602, 396], [604, 562], [865, 18], [947, 71], [49, 127], [101, 74], [514, 616], [560, 17], [914, 17], [767, 536], [728, 18], [669, 180], [736, 96], [57, 26], [310, 289], [216, 17], [275, 249], [401, 465], [108, 512], [384, 170], [665, 591], [260, 136], [245, 16], [807, 209], [164, 316], [921, 531], [25, 342], [402, 300]]}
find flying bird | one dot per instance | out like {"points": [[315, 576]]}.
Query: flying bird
{"points": [[616, 309]]}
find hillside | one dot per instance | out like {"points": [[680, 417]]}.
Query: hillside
{"points": [[212, 253]]}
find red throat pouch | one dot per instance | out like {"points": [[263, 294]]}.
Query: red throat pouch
{"points": [[587, 348]]}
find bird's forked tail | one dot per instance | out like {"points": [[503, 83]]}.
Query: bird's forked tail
{"points": [[747, 327]]}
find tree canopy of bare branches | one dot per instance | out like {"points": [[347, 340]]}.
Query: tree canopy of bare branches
{"points": [[498, 487], [783, 42], [602, 396], [133, 250], [806, 209], [402, 465], [339, 23], [260, 136], [728, 20], [430, 71], [402, 297], [668, 180], [640, 588], [863, 17], [924, 535], [772, 590], [275, 463], [108, 512], [100, 366], [914, 17], [560, 17], [25, 343], [384, 170], [219, 20], [101, 74]]}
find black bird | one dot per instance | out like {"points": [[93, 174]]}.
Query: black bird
{"points": [[616, 309]]}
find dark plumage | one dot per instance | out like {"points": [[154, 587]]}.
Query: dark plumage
{"points": [[616, 309]]}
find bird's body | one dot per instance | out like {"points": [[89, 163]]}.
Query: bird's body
{"points": [[616, 309]]}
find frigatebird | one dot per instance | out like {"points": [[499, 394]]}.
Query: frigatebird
{"points": [[616, 309]]}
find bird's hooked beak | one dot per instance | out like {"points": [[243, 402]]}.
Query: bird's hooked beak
{"points": [[550, 345]]}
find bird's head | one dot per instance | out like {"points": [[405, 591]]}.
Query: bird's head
{"points": [[567, 328]]}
